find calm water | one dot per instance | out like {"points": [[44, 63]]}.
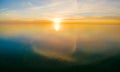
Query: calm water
{"points": [[73, 47]]}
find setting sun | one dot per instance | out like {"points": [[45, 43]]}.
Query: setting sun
{"points": [[57, 23]]}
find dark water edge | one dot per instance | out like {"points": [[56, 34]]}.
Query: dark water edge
{"points": [[16, 56]]}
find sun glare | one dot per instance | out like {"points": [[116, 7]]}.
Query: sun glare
{"points": [[57, 23], [57, 27]]}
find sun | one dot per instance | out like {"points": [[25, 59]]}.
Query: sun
{"points": [[57, 22]]}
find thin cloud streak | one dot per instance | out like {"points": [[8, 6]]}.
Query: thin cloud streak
{"points": [[63, 8]]}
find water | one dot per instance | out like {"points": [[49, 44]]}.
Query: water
{"points": [[73, 47]]}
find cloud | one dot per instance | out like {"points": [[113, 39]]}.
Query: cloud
{"points": [[66, 8], [59, 8], [29, 3]]}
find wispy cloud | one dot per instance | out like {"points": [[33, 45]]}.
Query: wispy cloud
{"points": [[66, 8], [59, 8]]}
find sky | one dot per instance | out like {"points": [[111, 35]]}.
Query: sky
{"points": [[46, 9]]}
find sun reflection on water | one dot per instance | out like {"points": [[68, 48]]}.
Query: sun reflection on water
{"points": [[56, 23]]}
